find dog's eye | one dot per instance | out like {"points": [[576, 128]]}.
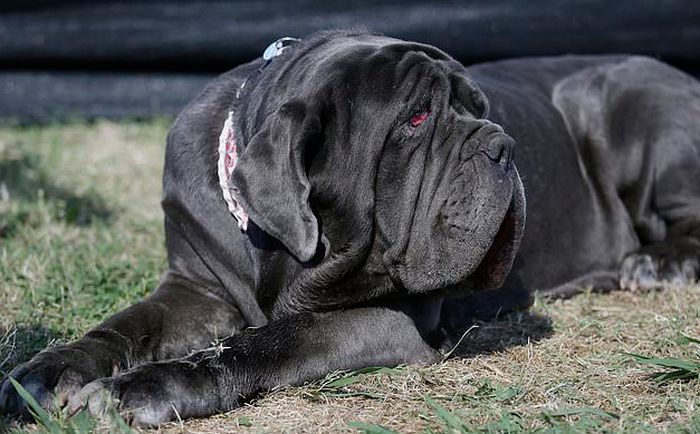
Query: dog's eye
{"points": [[419, 118]]}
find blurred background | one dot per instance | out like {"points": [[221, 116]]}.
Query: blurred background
{"points": [[82, 59]]}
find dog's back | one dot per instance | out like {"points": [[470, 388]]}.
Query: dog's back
{"points": [[609, 151]]}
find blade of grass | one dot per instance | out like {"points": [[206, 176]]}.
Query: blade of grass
{"points": [[689, 339], [675, 375], [334, 386], [677, 369], [668, 362], [244, 421], [119, 422], [451, 421], [41, 416], [83, 423]]}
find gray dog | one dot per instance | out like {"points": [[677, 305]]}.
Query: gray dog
{"points": [[351, 198]]}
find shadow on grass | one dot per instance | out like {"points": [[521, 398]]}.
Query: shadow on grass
{"points": [[19, 344], [26, 181], [497, 319], [506, 331]]}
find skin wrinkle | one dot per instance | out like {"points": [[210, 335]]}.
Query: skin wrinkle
{"points": [[434, 144], [130, 358], [174, 205], [210, 271], [462, 174], [403, 243], [422, 192]]}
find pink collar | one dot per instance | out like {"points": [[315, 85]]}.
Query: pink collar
{"points": [[228, 156]]}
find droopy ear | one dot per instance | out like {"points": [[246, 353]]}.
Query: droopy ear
{"points": [[271, 179]]}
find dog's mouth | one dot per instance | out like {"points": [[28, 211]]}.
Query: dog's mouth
{"points": [[496, 255], [496, 264], [467, 248]]}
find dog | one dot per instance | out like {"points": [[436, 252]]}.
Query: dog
{"points": [[349, 199]]}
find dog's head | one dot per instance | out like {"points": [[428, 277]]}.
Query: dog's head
{"points": [[381, 147]]}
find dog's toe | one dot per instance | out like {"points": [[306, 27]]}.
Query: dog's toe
{"points": [[645, 272], [95, 397], [639, 272]]}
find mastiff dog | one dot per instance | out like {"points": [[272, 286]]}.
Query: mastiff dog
{"points": [[351, 199]]}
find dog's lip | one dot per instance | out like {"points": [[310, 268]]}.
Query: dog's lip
{"points": [[495, 266], [447, 265]]}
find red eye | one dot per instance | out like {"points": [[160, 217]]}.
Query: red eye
{"points": [[419, 118]]}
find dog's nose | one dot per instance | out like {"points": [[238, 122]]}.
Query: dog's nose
{"points": [[499, 148]]}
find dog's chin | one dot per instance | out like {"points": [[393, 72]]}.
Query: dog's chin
{"points": [[450, 276], [494, 268], [496, 264], [466, 249]]}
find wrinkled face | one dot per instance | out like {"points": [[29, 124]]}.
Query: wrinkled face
{"points": [[378, 150], [449, 204]]}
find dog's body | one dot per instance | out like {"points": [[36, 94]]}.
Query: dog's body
{"points": [[377, 201], [612, 169]]}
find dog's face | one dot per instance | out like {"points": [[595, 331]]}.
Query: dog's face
{"points": [[379, 148]]}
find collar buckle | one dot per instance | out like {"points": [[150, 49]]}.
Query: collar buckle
{"points": [[276, 48]]}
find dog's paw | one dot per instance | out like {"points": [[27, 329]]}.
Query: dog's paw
{"points": [[654, 269], [139, 395], [151, 394], [51, 377]]}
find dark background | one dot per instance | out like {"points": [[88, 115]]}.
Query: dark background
{"points": [[64, 59]]}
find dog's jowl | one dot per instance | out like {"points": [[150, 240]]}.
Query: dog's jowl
{"points": [[351, 199]]}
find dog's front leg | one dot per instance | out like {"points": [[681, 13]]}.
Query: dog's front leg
{"points": [[177, 319], [289, 351]]}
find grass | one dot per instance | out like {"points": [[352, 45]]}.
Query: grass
{"points": [[81, 237], [80, 423]]}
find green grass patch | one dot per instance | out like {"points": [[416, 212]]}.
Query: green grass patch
{"points": [[80, 423], [673, 368], [80, 230]]}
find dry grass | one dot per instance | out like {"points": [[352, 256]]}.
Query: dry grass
{"points": [[577, 368], [558, 368]]}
